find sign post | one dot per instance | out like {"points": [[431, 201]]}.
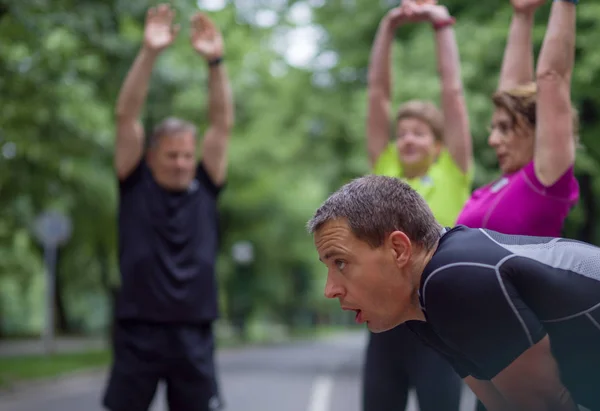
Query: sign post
{"points": [[240, 295], [52, 229]]}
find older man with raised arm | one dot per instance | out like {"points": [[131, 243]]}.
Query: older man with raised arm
{"points": [[168, 233]]}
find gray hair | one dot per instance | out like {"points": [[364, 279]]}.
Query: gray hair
{"points": [[168, 127], [375, 206]]}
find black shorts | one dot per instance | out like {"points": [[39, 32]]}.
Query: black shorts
{"points": [[180, 355]]}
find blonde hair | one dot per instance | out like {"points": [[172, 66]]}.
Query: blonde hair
{"points": [[424, 111], [520, 104]]}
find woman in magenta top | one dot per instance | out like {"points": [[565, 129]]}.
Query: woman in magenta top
{"points": [[533, 131]]}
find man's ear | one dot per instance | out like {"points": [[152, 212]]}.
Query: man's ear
{"points": [[401, 247]]}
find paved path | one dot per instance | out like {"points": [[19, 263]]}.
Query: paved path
{"points": [[321, 375]]}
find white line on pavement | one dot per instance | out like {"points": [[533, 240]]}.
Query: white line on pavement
{"points": [[321, 394]]}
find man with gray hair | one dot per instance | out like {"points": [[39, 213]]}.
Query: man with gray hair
{"points": [[518, 317], [168, 233]]}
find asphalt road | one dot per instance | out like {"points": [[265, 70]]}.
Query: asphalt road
{"points": [[321, 375]]}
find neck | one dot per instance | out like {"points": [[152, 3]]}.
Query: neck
{"points": [[421, 260], [415, 172]]}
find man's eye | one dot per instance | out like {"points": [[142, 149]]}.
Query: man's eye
{"points": [[340, 264]]}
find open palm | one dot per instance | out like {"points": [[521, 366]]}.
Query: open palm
{"points": [[206, 38], [159, 31], [526, 5]]}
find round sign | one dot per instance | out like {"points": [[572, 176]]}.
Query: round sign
{"points": [[243, 252], [52, 228]]}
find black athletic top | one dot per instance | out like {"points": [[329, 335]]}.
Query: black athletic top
{"points": [[488, 297], [167, 249]]}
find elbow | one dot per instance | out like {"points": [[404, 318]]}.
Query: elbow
{"points": [[225, 126], [122, 114], [119, 112], [228, 123], [452, 90], [549, 76]]}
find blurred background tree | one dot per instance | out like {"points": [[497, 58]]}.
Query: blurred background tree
{"points": [[298, 70]]}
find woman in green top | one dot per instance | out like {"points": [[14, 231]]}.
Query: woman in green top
{"points": [[432, 151]]}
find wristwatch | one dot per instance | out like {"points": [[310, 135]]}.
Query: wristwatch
{"points": [[215, 62]]}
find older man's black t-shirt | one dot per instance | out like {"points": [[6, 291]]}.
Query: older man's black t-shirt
{"points": [[167, 249]]}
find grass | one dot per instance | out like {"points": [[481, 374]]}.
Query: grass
{"points": [[33, 367]]}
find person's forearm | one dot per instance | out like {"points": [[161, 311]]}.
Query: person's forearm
{"points": [[457, 134], [448, 59], [379, 91], [221, 110], [517, 64], [379, 77], [558, 50], [135, 88]]}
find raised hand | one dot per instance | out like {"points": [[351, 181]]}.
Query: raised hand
{"points": [[395, 18], [526, 5], [206, 38], [159, 31], [424, 10]]}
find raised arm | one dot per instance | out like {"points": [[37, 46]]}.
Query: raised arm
{"points": [[517, 64], [208, 41], [380, 85], [159, 33], [457, 135], [554, 141]]}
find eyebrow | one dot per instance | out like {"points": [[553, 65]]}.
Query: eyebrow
{"points": [[329, 255]]}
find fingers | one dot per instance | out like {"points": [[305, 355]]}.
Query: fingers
{"points": [[203, 27], [201, 23], [165, 13], [161, 14], [409, 8]]}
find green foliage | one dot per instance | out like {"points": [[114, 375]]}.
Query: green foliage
{"points": [[299, 130]]}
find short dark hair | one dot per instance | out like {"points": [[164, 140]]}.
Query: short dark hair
{"points": [[168, 127], [375, 206]]}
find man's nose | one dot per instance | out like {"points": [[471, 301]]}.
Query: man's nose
{"points": [[333, 290], [181, 162]]}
